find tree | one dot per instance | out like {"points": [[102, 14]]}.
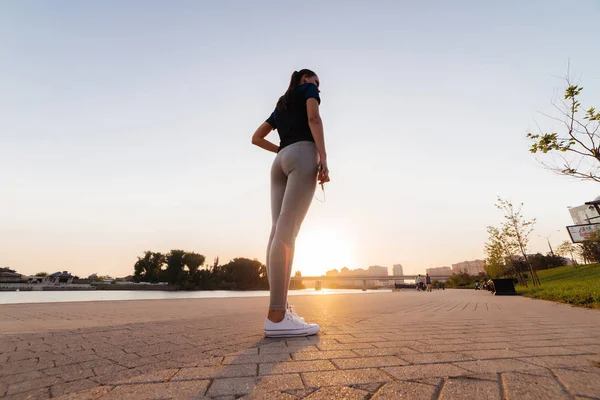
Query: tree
{"points": [[464, 280], [578, 145], [193, 261], [175, 263], [590, 249], [495, 265], [540, 261], [501, 250], [246, 273], [147, 268], [41, 274], [141, 266], [517, 230], [566, 249], [215, 265]]}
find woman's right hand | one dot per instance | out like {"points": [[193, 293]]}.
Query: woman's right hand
{"points": [[323, 176]]}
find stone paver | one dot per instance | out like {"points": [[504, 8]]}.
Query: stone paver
{"points": [[368, 362], [406, 390], [497, 366], [562, 361], [582, 383], [255, 359], [472, 345], [277, 387], [89, 394], [344, 377], [528, 387], [324, 355], [231, 386], [426, 371], [71, 387], [295, 366], [472, 389], [388, 351], [339, 393], [287, 349], [158, 390], [225, 371], [32, 394], [435, 358]]}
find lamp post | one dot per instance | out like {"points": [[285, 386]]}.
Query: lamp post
{"points": [[548, 240]]}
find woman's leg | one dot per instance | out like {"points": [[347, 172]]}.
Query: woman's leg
{"points": [[278, 183], [300, 164]]}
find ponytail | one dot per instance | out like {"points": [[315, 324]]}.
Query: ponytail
{"points": [[284, 101]]}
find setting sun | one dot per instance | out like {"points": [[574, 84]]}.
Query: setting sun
{"points": [[319, 249]]}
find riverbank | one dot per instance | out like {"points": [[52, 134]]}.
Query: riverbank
{"points": [[579, 286], [27, 287], [111, 295]]}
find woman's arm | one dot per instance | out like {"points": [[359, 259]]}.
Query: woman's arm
{"points": [[316, 128], [259, 138], [316, 125]]}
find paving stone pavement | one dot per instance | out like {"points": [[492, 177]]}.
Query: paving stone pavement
{"points": [[452, 344]]}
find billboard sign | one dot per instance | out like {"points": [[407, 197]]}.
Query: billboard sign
{"points": [[581, 233]]}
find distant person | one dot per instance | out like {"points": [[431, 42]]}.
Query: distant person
{"points": [[419, 282], [428, 282], [301, 160]]}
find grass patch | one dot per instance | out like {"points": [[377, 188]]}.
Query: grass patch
{"points": [[578, 286]]}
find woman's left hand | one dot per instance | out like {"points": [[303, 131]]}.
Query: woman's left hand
{"points": [[323, 176]]}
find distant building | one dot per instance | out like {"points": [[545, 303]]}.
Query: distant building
{"points": [[439, 271], [37, 279], [8, 275], [398, 271], [374, 270], [61, 277], [470, 267], [377, 270], [584, 215], [124, 281]]}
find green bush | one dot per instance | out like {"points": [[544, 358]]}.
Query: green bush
{"points": [[462, 280]]}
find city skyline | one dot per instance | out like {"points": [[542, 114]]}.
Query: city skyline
{"points": [[126, 126]]}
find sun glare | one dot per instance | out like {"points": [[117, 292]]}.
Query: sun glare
{"points": [[321, 249]]}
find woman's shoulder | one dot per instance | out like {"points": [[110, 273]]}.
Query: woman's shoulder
{"points": [[307, 85], [308, 90]]}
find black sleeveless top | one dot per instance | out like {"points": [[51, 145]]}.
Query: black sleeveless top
{"points": [[292, 124]]}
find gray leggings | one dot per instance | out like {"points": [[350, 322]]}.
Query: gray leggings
{"points": [[293, 183]]}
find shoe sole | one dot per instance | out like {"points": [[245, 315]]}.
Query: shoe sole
{"points": [[299, 333]]}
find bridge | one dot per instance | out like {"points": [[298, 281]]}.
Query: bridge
{"points": [[319, 279]]}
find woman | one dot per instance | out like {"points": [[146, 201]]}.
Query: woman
{"points": [[419, 283], [301, 160], [428, 282]]}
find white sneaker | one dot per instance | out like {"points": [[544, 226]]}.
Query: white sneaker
{"points": [[292, 309], [290, 326]]}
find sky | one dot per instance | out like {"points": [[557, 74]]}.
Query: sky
{"points": [[125, 126]]}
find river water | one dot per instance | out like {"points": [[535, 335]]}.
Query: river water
{"points": [[106, 295]]}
